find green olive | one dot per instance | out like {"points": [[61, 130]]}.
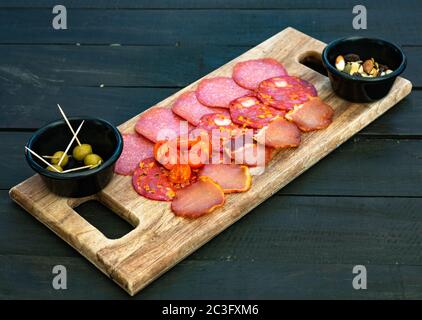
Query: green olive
{"points": [[80, 152], [57, 156], [93, 160], [49, 168]]}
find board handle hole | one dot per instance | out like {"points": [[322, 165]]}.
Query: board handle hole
{"points": [[313, 60], [104, 219]]}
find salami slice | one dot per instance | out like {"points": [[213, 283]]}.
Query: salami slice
{"points": [[251, 112], [189, 108], [312, 115], [222, 125], [219, 91], [249, 74], [135, 148], [285, 92], [151, 181], [280, 133], [198, 199], [231, 177], [160, 124]]}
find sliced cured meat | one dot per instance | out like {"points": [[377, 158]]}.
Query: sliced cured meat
{"points": [[221, 122], [285, 92], [135, 148], [198, 199], [220, 129], [280, 133], [251, 112], [189, 108], [151, 181], [219, 91], [251, 154], [180, 173], [249, 74], [231, 177], [312, 115], [193, 152], [160, 124]]}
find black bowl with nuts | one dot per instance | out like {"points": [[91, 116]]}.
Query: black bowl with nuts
{"points": [[363, 69]]}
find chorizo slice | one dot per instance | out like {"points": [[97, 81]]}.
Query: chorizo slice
{"points": [[285, 92]]}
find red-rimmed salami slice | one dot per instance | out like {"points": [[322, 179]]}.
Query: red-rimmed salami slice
{"points": [[249, 74], [160, 124], [151, 180], [312, 115], [135, 148], [219, 91], [251, 112], [189, 108], [285, 92]]}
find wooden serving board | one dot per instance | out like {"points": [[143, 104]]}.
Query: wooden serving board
{"points": [[160, 240]]}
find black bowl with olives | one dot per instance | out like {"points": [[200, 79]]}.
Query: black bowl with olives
{"points": [[355, 87], [96, 135]]}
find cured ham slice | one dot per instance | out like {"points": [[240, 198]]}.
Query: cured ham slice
{"points": [[285, 92], [250, 73], [219, 91], [231, 177], [249, 111], [189, 108], [135, 148], [312, 115], [198, 199], [280, 133], [160, 124]]}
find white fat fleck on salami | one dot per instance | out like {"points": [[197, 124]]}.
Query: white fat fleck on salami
{"points": [[160, 124], [249, 74], [219, 92], [135, 149], [189, 108]]}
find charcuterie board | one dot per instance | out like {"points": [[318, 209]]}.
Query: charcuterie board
{"points": [[160, 239]]}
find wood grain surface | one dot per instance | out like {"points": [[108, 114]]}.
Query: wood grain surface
{"points": [[160, 240]]}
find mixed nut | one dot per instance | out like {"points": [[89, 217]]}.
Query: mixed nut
{"points": [[353, 65]]}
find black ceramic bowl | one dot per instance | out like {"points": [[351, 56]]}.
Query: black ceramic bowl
{"points": [[105, 140], [357, 89]]}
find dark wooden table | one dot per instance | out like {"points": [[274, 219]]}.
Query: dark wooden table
{"points": [[362, 205]]}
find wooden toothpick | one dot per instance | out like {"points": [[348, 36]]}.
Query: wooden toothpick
{"points": [[70, 143], [76, 169], [39, 157], [68, 123]]}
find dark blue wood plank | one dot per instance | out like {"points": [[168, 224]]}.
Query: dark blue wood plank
{"points": [[150, 66], [29, 277], [193, 27], [209, 4]]}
